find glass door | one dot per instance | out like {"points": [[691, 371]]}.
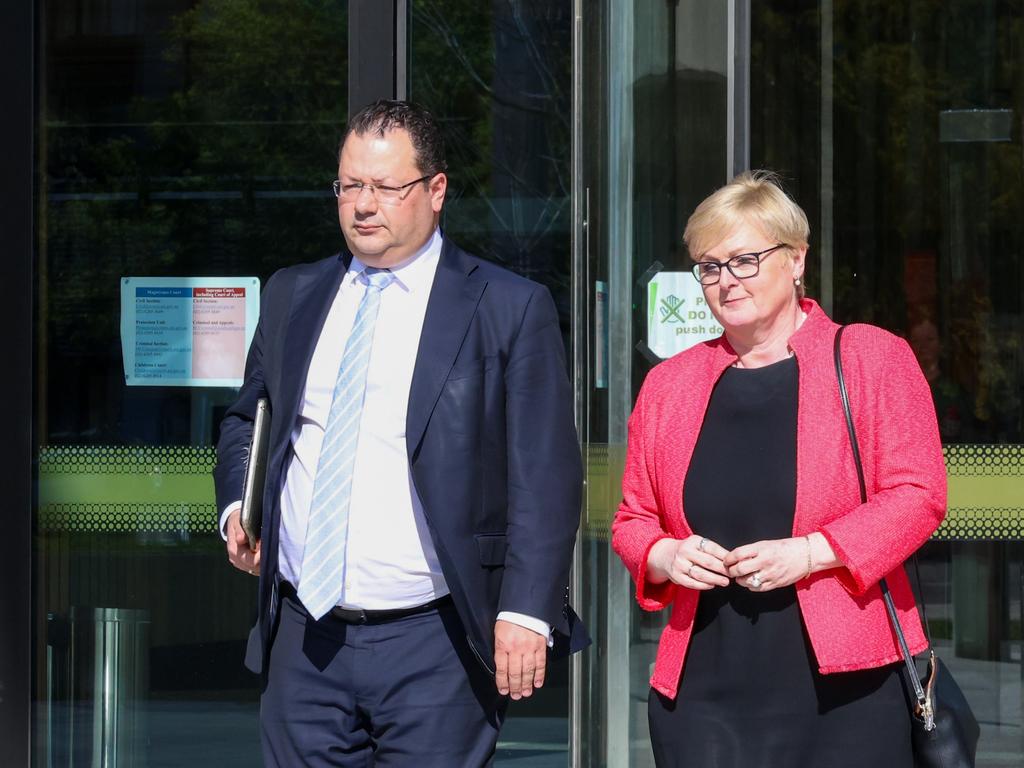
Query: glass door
{"points": [[498, 75], [186, 150], [659, 130], [899, 132]]}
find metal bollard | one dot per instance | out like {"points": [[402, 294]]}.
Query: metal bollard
{"points": [[111, 656]]}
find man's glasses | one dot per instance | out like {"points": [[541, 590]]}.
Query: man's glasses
{"points": [[741, 266], [383, 193]]}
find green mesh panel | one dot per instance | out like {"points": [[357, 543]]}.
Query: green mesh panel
{"points": [[127, 489]]}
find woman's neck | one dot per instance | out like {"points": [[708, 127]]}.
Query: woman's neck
{"points": [[766, 346]]}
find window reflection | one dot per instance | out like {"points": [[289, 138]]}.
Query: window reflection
{"points": [[176, 138], [891, 126]]}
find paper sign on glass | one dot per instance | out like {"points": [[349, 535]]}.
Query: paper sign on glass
{"points": [[187, 331], [677, 315]]}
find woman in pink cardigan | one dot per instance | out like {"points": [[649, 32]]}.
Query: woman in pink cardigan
{"points": [[741, 510]]}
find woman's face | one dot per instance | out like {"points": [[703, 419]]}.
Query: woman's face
{"points": [[746, 305]]}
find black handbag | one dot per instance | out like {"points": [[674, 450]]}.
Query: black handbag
{"points": [[944, 731]]}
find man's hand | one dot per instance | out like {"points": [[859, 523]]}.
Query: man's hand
{"points": [[243, 558], [520, 659]]}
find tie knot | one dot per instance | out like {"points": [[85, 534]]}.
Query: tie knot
{"points": [[378, 278]]}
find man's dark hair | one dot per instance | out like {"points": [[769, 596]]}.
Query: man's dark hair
{"points": [[384, 115]]}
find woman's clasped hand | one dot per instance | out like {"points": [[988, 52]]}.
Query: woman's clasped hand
{"points": [[697, 562], [694, 562]]}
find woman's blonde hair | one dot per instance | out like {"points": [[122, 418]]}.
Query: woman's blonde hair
{"points": [[753, 197]]}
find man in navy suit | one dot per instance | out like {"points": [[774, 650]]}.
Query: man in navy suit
{"points": [[422, 448]]}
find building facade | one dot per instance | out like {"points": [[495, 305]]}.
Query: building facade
{"points": [[192, 140]]}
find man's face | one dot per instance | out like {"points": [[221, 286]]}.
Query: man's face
{"points": [[384, 234]]}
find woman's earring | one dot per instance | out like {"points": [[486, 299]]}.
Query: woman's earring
{"points": [[797, 281]]}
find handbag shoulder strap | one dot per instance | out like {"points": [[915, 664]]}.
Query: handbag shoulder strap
{"points": [[890, 607]]}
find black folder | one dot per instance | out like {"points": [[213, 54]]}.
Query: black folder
{"points": [[256, 473]]}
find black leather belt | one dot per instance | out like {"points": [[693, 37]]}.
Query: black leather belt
{"points": [[363, 616]]}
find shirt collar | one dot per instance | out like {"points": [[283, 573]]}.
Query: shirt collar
{"points": [[414, 273]]}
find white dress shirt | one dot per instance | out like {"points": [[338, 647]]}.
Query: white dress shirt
{"points": [[390, 558]]}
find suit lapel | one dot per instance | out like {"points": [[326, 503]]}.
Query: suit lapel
{"points": [[453, 301], [311, 301]]}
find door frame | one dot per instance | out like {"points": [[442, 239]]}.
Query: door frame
{"points": [[17, 224]]}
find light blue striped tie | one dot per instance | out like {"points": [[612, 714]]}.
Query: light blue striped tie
{"points": [[323, 560]]}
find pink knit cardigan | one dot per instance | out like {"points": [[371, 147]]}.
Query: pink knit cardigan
{"points": [[899, 441]]}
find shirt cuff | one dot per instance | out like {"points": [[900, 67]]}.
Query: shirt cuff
{"points": [[225, 515], [534, 625]]}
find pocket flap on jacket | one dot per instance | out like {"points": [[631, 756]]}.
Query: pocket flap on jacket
{"points": [[493, 547]]}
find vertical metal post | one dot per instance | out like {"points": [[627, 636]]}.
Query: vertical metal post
{"points": [[580, 358], [120, 658], [738, 89], [16, 222], [618, 198], [377, 51], [826, 234], [402, 49]]}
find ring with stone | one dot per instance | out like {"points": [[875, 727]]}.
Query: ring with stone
{"points": [[703, 541], [755, 580]]}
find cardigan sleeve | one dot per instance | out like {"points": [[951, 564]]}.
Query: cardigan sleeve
{"points": [[902, 454], [638, 525]]}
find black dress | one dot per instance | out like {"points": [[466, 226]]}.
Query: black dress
{"points": [[750, 694]]}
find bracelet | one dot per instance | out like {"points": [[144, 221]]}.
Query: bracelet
{"points": [[808, 540]]}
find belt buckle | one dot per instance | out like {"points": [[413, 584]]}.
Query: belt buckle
{"points": [[349, 615]]}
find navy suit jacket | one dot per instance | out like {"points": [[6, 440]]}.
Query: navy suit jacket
{"points": [[489, 433]]}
